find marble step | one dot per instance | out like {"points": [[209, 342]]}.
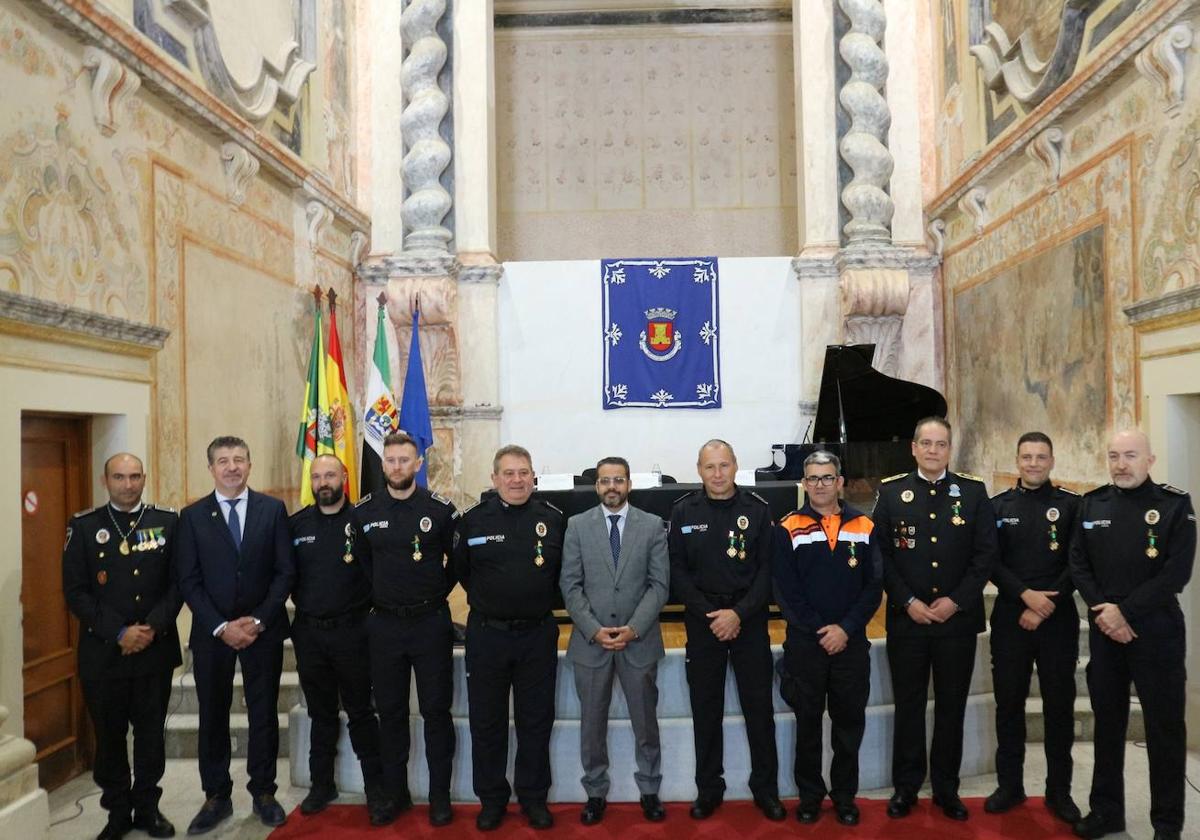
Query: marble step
{"points": [[185, 701], [289, 657], [182, 735]]}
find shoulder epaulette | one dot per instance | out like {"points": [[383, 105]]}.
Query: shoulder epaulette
{"points": [[969, 477], [1065, 490], [439, 497], [363, 500], [470, 508], [553, 507], [684, 496], [301, 511], [892, 478], [1172, 489], [82, 513], [163, 508], [760, 498], [1095, 491]]}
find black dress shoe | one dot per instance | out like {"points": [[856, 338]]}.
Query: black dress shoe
{"points": [[1001, 801], [318, 800], [593, 810], [808, 812], [538, 815], [1166, 834], [652, 807], [381, 812], [1097, 825], [440, 812], [268, 810], [771, 807], [403, 802], [900, 805], [952, 807], [152, 821], [1063, 807], [847, 813], [704, 806], [490, 817], [118, 826], [211, 813]]}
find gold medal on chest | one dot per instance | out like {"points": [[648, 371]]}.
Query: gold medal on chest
{"points": [[538, 559], [416, 544], [347, 557]]}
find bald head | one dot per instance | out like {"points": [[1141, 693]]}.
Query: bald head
{"points": [[328, 476], [125, 480], [717, 466], [1129, 458]]}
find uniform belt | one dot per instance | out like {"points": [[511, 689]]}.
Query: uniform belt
{"points": [[345, 619], [413, 610], [511, 624], [724, 601]]}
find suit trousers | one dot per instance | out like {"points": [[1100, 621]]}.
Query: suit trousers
{"points": [[262, 663], [708, 658], [400, 648], [524, 662], [1155, 665], [640, 687], [1054, 648], [114, 705], [841, 682], [332, 667], [951, 660]]}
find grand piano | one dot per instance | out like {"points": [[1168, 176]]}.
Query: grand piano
{"points": [[863, 416]]}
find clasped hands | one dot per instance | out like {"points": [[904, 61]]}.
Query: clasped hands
{"points": [[936, 613], [614, 638], [1112, 623], [136, 638], [1038, 607], [240, 633]]}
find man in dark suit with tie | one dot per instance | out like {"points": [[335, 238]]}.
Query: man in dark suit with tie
{"points": [[614, 580], [235, 566]]}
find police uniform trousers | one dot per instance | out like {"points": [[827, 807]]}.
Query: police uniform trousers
{"points": [[521, 657], [844, 680], [1054, 648], [330, 661], [951, 659], [114, 705], [402, 647], [262, 663], [708, 659], [1154, 663]]}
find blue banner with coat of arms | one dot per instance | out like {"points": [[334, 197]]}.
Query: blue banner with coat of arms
{"points": [[661, 333]]}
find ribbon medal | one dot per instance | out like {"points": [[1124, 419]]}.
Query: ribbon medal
{"points": [[417, 549], [956, 519], [731, 552], [539, 560], [1151, 548], [853, 561]]}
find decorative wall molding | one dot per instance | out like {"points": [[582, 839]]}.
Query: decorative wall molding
{"points": [[864, 145], [831, 264], [482, 412], [319, 216], [378, 270], [974, 205], [1174, 303], [84, 323], [240, 168], [113, 84], [486, 274], [1164, 61], [358, 246], [1046, 148], [937, 232]]}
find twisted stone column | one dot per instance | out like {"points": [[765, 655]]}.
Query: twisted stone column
{"points": [[864, 145], [426, 154]]}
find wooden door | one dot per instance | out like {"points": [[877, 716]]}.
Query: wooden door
{"points": [[55, 480]]}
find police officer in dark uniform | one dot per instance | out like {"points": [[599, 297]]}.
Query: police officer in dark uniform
{"points": [[1131, 556], [332, 597], [119, 582], [405, 536], [937, 532], [1034, 621], [508, 553], [721, 544]]}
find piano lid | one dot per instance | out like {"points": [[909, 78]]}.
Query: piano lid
{"points": [[858, 403]]}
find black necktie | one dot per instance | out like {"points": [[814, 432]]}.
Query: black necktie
{"points": [[614, 538], [235, 523]]}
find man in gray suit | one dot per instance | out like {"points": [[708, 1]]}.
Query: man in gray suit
{"points": [[614, 581]]}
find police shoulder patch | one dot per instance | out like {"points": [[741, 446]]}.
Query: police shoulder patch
{"points": [[439, 497], [1172, 489], [1065, 490], [892, 478], [80, 513], [363, 500], [760, 498], [969, 477]]}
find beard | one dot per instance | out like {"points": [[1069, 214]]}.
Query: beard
{"points": [[401, 484], [329, 495]]}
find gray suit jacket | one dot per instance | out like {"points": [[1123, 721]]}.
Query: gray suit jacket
{"points": [[598, 596]]}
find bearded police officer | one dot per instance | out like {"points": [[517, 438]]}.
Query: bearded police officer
{"points": [[332, 597], [1131, 556], [720, 545], [119, 582], [406, 535], [937, 532], [508, 553], [1034, 621]]}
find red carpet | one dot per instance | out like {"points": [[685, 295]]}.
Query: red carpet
{"points": [[623, 821]]}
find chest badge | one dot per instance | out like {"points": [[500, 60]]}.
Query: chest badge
{"points": [[416, 544], [956, 519], [1152, 517], [743, 522], [426, 524], [906, 496], [1052, 515], [102, 536], [541, 530]]}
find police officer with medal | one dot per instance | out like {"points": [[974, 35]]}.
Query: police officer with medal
{"points": [[404, 538], [1131, 556], [332, 596], [1034, 621], [937, 532], [508, 553], [721, 544], [119, 582]]}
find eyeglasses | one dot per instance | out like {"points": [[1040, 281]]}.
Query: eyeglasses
{"points": [[823, 480], [612, 481], [933, 444]]}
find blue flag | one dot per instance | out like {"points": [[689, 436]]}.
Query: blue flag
{"points": [[661, 333], [414, 405]]}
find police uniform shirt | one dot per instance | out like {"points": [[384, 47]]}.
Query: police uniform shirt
{"points": [[721, 547], [1034, 530], [1135, 548], [938, 538], [330, 579], [508, 558], [404, 544], [117, 571]]}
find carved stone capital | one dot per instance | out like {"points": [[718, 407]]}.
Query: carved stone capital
{"points": [[112, 85], [874, 293], [240, 167], [1047, 148], [937, 233], [974, 205], [1163, 62], [380, 269], [319, 216], [358, 247]]}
